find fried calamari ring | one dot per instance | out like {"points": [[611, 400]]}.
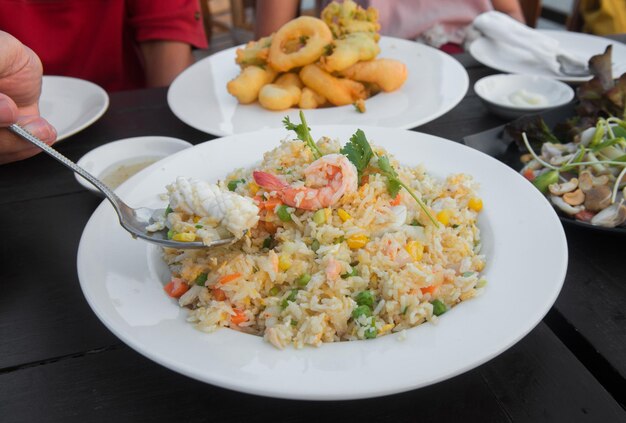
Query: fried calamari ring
{"points": [[312, 31], [349, 50], [282, 94], [248, 83], [255, 53], [309, 99], [388, 74], [338, 91], [348, 17]]}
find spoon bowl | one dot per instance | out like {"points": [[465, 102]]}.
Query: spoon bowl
{"points": [[135, 221]]}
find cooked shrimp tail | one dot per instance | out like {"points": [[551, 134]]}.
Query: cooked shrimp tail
{"points": [[269, 181]]}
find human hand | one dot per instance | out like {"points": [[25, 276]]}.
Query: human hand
{"points": [[20, 87]]}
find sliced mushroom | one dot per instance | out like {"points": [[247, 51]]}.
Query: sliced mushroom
{"points": [[559, 160], [610, 217], [550, 150], [586, 180], [560, 189], [564, 207], [575, 198], [598, 198]]}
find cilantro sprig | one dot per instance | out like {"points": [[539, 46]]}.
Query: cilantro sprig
{"points": [[302, 131], [359, 151], [394, 184]]}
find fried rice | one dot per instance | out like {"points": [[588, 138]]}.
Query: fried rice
{"points": [[367, 266]]}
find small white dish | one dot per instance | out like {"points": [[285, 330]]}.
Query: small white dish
{"points": [[512, 96], [117, 161], [71, 104]]}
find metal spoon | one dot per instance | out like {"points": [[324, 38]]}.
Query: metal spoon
{"points": [[571, 67], [133, 220]]}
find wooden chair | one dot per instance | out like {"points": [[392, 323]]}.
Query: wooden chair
{"points": [[531, 10]]}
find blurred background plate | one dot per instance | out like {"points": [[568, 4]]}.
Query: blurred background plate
{"points": [[71, 104], [512, 60], [496, 143], [436, 83]]}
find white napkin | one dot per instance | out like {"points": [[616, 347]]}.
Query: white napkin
{"points": [[506, 30]]}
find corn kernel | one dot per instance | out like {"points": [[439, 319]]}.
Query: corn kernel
{"points": [[253, 187], [184, 237], [357, 241], [444, 217], [415, 250], [386, 328], [196, 219], [328, 213], [284, 263], [343, 215], [475, 204]]}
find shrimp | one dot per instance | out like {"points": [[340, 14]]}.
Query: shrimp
{"points": [[327, 178]]}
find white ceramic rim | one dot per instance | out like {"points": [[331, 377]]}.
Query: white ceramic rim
{"points": [[122, 281], [567, 39], [87, 86], [123, 146], [478, 89], [198, 96]]}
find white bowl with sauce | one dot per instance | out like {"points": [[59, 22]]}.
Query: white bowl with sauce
{"points": [[115, 162], [512, 96]]}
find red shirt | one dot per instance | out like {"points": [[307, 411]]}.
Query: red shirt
{"points": [[98, 40]]}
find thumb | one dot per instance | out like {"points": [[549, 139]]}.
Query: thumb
{"points": [[8, 111]]}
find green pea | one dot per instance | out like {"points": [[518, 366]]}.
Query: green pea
{"points": [[319, 217], [365, 298], [283, 213], [201, 279], [232, 185], [361, 310], [370, 333], [315, 245], [170, 234], [290, 298], [304, 279], [352, 272], [274, 291], [438, 307]]}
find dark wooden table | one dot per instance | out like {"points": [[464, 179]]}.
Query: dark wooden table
{"points": [[59, 363]]}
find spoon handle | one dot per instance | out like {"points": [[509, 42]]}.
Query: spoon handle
{"points": [[66, 162]]}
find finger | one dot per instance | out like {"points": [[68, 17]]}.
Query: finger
{"points": [[39, 127], [13, 148], [8, 111]]}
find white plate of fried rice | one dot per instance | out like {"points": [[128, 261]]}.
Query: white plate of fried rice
{"points": [[498, 271]]}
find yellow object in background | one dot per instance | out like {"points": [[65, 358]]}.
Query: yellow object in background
{"points": [[603, 17]]}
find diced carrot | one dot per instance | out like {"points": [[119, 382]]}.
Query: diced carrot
{"points": [[269, 227], [396, 201], [584, 215], [429, 289], [365, 179], [271, 203], [218, 294], [239, 317], [228, 278], [529, 174], [176, 287]]}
